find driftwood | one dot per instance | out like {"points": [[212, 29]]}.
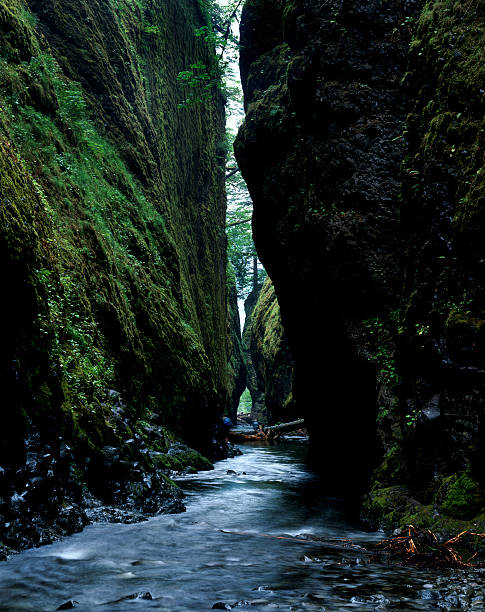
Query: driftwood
{"points": [[267, 433], [421, 548]]}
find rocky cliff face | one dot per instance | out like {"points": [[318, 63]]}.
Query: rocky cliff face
{"points": [[113, 248], [361, 150], [269, 360], [237, 362]]}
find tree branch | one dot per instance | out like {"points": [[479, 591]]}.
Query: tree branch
{"points": [[228, 25], [238, 222], [232, 172]]}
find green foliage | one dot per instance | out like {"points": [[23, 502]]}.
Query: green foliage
{"points": [[86, 369], [200, 80], [245, 402], [151, 29], [382, 350], [241, 250]]}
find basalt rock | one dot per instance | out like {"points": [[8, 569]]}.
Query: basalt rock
{"points": [[112, 245], [320, 151], [363, 153], [269, 360]]}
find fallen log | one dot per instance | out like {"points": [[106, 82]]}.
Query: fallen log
{"points": [[267, 433], [285, 427]]}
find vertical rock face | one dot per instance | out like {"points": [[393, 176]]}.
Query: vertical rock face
{"points": [[113, 248], [255, 386], [361, 150], [440, 339], [237, 358], [320, 151], [269, 360]]}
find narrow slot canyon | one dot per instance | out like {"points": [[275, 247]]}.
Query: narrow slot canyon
{"points": [[243, 353]]}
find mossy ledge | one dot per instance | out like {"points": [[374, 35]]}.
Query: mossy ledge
{"points": [[112, 240]]}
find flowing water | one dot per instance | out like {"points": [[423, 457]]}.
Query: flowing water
{"points": [[225, 548]]}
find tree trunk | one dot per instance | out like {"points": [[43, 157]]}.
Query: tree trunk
{"points": [[255, 273]]}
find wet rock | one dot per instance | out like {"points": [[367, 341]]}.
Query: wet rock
{"points": [[376, 600], [188, 470], [263, 587], [232, 473], [134, 596], [221, 605], [428, 594], [141, 595], [68, 605], [315, 597]]}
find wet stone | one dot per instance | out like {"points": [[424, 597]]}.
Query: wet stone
{"points": [[68, 605], [142, 595], [222, 605], [429, 594], [315, 597], [263, 587], [375, 600]]}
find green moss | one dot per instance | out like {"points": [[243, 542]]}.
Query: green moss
{"points": [[464, 497], [457, 504], [185, 458], [390, 469], [118, 257]]}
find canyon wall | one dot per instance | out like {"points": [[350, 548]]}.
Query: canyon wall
{"points": [[363, 152], [112, 241], [237, 361], [269, 361]]}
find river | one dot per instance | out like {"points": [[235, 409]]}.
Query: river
{"points": [[236, 542]]}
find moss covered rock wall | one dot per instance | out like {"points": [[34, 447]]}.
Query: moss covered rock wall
{"points": [[438, 411], [112, 241], [270, 365], [362, 152], [237, 367]]}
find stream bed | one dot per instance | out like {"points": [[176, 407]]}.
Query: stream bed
{"points": [[236, 543]]}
